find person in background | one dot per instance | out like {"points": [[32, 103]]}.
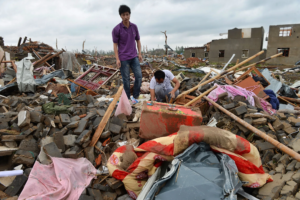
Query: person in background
{"points": [[160, 86], [125, 35]]}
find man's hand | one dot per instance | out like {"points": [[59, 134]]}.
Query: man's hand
{"points": [[118, 64], [140, 58], [172, 94]]}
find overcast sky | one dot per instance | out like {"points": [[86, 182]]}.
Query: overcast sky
{"points": [[188, 22]]}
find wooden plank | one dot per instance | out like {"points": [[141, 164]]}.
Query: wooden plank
{"points": [[9, 132], [11, 138], [133, 125], [106, 117], [5, 151]]}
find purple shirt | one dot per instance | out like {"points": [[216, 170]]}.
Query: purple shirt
{"points": [[125, 38]]}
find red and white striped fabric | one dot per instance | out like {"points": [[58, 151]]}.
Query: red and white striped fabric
{"points": [[152, 153]]}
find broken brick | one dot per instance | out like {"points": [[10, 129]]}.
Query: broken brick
{"points": [[52, 150]]}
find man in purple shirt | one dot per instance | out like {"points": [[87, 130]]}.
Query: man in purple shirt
{"points": [[124, 37]]}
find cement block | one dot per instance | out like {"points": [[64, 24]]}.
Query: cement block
{"points": [[288, 176], [52, 150], [44, 141], [264, 146], [239, 110], [271, 189], [23, 118], [73, 124], [114, 128], [260, 121], [277, 125], [29, 145], [114, 183], [81, 127], [83, 137], [69, 140], [16, 187], [89, 154], [72, 152], [291, 166], [85, 197], [267, 156], [24, 157], [289, 189], [58, 139], [95, 193], [36, 117], [109, 195], [285, 160], [30, 130], [75, 118], [65, 119]]}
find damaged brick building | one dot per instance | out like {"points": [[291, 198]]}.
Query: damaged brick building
{"points": [[284, 38], [244, 43], [198, 52]]}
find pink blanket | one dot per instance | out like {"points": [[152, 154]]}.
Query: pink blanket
{"points": [[236, 90], [63, 179]]}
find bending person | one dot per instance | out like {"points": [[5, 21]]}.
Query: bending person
{"points": [[160, 86]]}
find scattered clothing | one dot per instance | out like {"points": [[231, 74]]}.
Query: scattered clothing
{"points": [[63, 179], [150, 155], [273, 99], [236, 90]]}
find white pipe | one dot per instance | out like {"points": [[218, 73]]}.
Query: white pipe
{"points": [[11, 173], [228, 63]]}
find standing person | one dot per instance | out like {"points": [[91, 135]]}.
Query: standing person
{"points": [[124, 37], [160, 86]]}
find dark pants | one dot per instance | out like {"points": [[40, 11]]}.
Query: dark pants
{"points": [[134, 64], [161, 93]]}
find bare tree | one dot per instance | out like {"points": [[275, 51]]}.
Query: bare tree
{"points": [[56, 44], [166, 44], [83, 45]]}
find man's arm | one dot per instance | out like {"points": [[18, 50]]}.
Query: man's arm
{"points": [[117, 55], [177, 85], [138, 42], [152, 93]]}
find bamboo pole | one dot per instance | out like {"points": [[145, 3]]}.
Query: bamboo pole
{"points": [[205, 77], [262, 61], [237, 61], [200, 96], [219, 75], [261, 134], [106, 117], [290, 99]]}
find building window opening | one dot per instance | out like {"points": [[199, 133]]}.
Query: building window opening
{"points": [[193, 55], [205, 54], [221, 53], [285, 31], [285, 51], [245, 53]]}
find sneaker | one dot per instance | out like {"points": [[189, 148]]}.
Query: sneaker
{"points": [[134, 101]]}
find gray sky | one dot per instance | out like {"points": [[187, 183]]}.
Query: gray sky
{"points": [[188, 22]]}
